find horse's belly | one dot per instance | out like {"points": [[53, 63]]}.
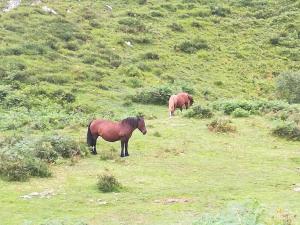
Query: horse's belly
{"points": [[110, 135]]}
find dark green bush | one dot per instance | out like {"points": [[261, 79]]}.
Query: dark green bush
{"points": [[156, 14], [66, 147], [288, 86], [221, 125], [45, 151], [108, 183], [192, 46], [289, 130], [37, 168], [220, 11], [238, 112], [199, 112], [263, 106], [176, 27], [249, 213], [159, 95], [13, 168], [132, 25], [151, 56]]}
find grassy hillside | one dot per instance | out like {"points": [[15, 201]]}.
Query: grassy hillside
{"points": [[59, 70]]}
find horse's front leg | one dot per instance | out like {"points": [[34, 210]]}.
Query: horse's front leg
{"points": [[126, 148], [122, 148]]}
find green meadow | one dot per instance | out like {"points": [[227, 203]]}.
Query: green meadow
{"points": [[115, 59]]}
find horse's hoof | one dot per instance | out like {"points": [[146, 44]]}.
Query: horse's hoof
{"points": [[122, 156], [127, 155]]}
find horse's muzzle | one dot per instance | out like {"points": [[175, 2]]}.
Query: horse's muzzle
{"points": [[144, 132]]}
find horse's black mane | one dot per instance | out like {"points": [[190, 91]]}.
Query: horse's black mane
{"points": [[132, 121]]}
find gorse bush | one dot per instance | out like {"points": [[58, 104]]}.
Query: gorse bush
{"points": [[18, 168], [108, 183], [132, 25], [253, 107], [288, 86], [221, 125], [288, 129], [159, 95], [235, 214], [199, 112], [192, 46], [21, 159], [238, 112], [176, 27]]}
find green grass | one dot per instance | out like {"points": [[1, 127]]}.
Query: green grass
{"points": [[209, 169], [57, 72]]}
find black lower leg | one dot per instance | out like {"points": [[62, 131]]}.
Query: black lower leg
{"points": [[122, 148], [94, 151], [126, 148]]}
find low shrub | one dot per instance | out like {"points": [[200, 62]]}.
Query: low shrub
{"points": [[263, 106], [159, 95], [240, 113], [191, 46], [17, 168], [288, 86], [199, 112], [176, 27], [221, 125], [151, 56], [44, 150], [132, 25], [220, 11], [289, 130], [66, 147], [248, 213], [13, 168], [108, 183]]}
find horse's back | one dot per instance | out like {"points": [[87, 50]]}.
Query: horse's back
{"points": [[108, 130]]}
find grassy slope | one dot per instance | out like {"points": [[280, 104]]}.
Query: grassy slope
{"points": [[217, 168]]}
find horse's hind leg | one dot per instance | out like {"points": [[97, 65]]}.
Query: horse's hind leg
{"points": [[94, 150], [122, 148], [126, 148]]}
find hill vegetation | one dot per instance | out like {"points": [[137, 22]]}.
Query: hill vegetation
{"points": [[63, 63]]}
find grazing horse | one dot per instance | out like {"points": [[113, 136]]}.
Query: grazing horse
{"points": [[114, 131], [179, 101]]}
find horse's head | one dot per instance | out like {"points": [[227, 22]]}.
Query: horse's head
{"points": [[191, 99], [141, 125]]}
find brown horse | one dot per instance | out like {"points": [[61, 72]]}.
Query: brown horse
{"points": [[179, 101], [114, 131]]}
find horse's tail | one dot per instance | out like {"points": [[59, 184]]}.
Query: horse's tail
{"points": [[89, 136], [172, 105]]}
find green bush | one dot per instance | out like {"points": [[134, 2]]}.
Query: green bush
{"points": [[13, 168], [220, 11], [37, 168], [247, 214], [289, 130], [238, 112], [176, 27], [132, 25], [66, 147], [159, 95], [253, 107], [151, 56], [108, 183], [288, 86], [221, 125], [192, 46], [199, 112], [44, 150]]}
